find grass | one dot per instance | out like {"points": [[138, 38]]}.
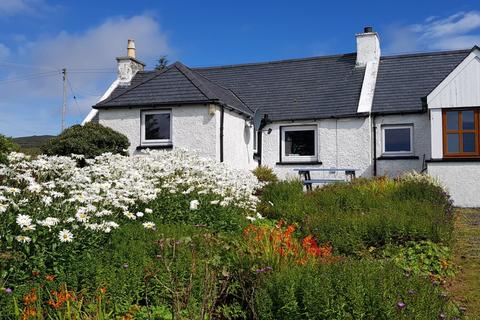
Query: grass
{"points": [[465, 287]]}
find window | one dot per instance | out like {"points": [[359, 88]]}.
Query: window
{"points": [[156, 127], [397, 139], [299, 143], [461, 133]]}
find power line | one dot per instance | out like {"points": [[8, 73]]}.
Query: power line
{"points": [[30, 77], [73, 94]]}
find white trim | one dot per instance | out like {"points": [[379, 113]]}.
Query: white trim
{"points": [[397, 126], [107, 93], [475, 54], [286, 158], [150, 142], [368, 87], [436, 127]]}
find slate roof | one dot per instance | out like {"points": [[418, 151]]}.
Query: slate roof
{"points": [[176, 84], [310, 88], [403, 80]]}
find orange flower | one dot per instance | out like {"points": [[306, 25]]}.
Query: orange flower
{"points": [[28, 313], [50, 277], [30, 298], [35, 273], [103, 290]]}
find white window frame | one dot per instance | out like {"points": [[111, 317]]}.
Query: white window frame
{"points": [[255, 140], [286, 158], [155, 142], [398, 153]]}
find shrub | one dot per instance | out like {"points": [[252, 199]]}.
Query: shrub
{"points": [[364, 213], [265, 174], [89, 140], [349, 290], [6, 146]]}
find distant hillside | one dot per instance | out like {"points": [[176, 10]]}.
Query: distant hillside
{"points": [[32, 141]]}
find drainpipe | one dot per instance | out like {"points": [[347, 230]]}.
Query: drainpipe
{"points": [[222, 116], [374, 128]]}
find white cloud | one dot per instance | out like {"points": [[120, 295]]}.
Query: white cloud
{"points": [[89, 57], [31, 7], [458, 31], [4, 52]]}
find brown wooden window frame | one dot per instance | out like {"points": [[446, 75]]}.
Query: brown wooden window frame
{"points": [[460, 131]]}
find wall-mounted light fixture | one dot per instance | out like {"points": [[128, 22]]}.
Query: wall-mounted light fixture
{"points": [[211, 109]]}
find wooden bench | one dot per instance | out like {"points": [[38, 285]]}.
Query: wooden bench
{"points": [[308, 181]]}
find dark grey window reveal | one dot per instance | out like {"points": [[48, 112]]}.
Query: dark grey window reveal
{"points": [[398, 140], [300, 143], [157, 126]]}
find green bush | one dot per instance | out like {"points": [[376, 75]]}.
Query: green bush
{"points": [[265, 174], [349, 290], [6, 146], [365, 213], [90, 140]]}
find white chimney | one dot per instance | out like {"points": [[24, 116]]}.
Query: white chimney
{"points": [[128, 66], [368, 47]]}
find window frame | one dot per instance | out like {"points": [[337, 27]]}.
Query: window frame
{"points": [[410, 152], [307, 127], [154, 142], [460, 131]]}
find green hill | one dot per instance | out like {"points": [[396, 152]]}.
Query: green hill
{"points": [[32, 141]]}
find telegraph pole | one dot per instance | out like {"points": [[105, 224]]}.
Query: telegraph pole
{"points": [[64, 106]]}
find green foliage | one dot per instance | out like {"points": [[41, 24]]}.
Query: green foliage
{"points": [[365, 213], [6, 146], [90, 140], [425, 258], [349, 290], [265, 174]]}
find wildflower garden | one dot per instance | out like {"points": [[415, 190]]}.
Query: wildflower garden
{"points": [[169, 235]]}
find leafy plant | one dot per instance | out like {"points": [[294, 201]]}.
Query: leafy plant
{"points": [[426, 258], [89, 140], [6, 146], [265, 174]]}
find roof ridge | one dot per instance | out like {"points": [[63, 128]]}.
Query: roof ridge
{"points": [[191, 76], [425, 53], [274, 61]]}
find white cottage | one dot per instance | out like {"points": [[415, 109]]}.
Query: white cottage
{"points": [[382, 115]]}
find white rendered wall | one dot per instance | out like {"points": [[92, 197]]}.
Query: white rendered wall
{"points": [[238, 142], [421, 143], [461, 180], [193, 128], [342, 143]]}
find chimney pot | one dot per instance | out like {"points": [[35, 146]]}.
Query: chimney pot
{"points": [[367, 29], [131, 48]]}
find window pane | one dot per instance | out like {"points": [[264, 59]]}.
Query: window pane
{"points": [[452, 120], [469, 142], [157, 126], [452, 143], [468, 122], [397, 140], [300, 143]]}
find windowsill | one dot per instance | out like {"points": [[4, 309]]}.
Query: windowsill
{"points": [[386, 157], [153, 147], [454, 160], [281, 163]]}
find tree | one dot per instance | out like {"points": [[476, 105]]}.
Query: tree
{"points": [[6, 146], [162, 63]]}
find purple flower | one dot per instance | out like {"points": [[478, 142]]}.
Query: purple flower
{"points": [[8, 290], [401, 305], [262, 270]]}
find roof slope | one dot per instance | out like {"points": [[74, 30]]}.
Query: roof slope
{"points": [[404, 80], [175, 84], [316, 87]]}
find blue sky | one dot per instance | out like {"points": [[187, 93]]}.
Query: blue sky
{"points": [[39, 37]]}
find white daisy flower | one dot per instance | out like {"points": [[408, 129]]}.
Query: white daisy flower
{"points": [[24, 220], [23, 239], [65, 236], [194, 204], [149, 225], [139, 214]]}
